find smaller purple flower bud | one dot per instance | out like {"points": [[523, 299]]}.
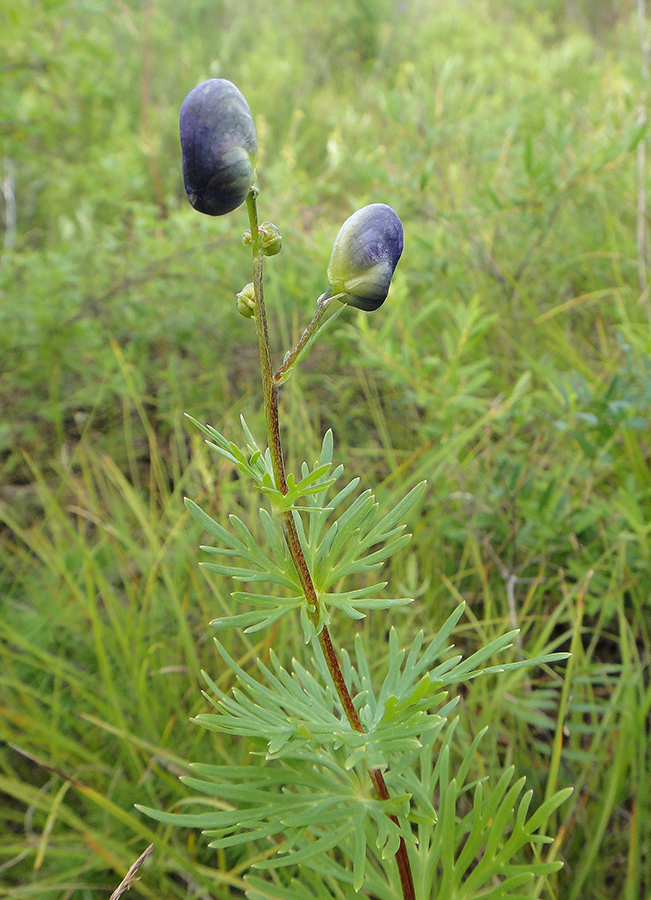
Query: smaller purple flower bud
{"points": [[219, 146], [365, 255]]}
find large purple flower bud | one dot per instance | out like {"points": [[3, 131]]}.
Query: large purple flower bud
{"points": [[365, 255], [219, 147]]}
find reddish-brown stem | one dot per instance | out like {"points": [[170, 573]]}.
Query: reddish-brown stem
{"points": [[402, 858], [269, 389], [338, 678], [270, 392]]}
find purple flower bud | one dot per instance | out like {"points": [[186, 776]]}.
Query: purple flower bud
{"points": [[365, 255], [219, 147]]}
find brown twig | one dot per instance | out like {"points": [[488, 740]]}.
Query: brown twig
{"points": [[130, 877]]}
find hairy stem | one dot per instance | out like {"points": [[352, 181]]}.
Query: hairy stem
{"points": [[322, 305], [269, 389], [270, 393]]}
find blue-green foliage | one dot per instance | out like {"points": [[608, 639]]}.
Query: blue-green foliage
{"points": [[310, 792], [358, 541]]}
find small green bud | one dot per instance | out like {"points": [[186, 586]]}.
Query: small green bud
{"points": [[245, 301], [365, 255], [272, 241]]}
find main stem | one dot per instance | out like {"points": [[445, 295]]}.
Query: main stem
{"points": [[270, 394]]}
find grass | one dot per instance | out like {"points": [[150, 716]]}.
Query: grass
{"points": [[511, 368]]}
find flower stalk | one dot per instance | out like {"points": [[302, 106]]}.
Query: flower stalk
{"points": [[322, 306]]}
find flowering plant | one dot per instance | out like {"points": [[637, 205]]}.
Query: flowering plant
{"points": [[361, 786]]}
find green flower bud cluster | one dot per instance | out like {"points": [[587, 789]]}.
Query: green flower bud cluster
{"points": [[271, 241]]}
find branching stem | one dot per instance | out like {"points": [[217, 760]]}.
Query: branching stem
{"points": [[270, 384], [322, 305]]}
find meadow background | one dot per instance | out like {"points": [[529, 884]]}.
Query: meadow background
{"points": [[510, 367]]}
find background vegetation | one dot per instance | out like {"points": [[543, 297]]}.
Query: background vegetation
{"points": [[511, 367]]}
